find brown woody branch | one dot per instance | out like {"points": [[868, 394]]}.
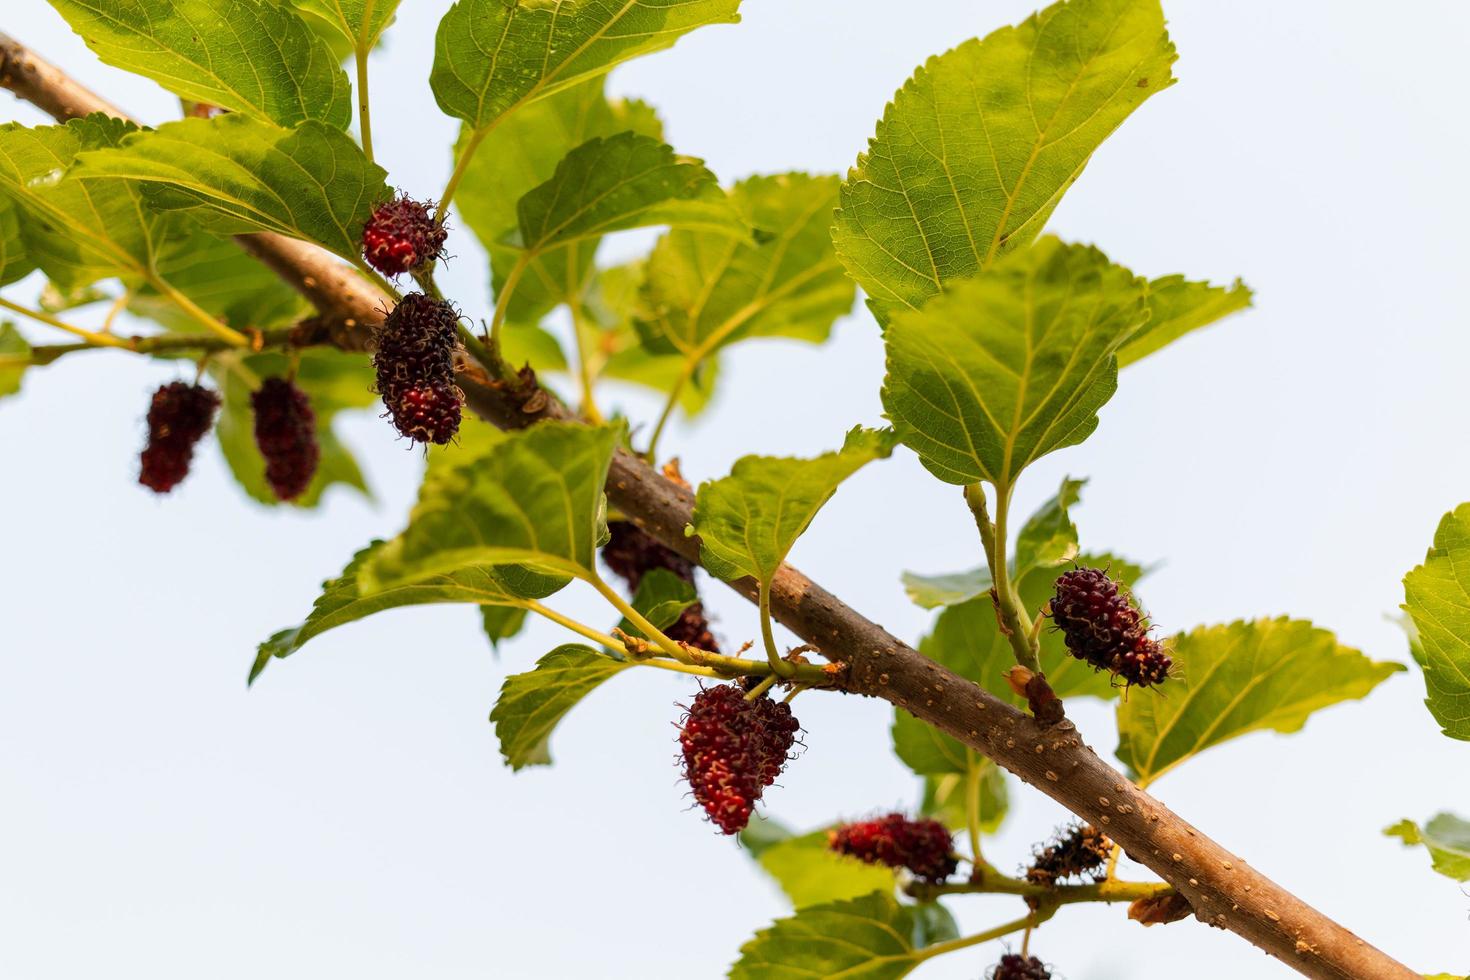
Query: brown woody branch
{"points": [[1221, 888]]}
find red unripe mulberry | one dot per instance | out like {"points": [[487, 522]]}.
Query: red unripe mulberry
{"points": [[415, 369], [402, 235], [1102, 627], [178, 417], [925, 847], [733, 749], [1013, 966], [285, 431]]}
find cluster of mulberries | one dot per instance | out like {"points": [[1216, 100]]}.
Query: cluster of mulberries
{"points": [[1103, 628], [925, 847], [285, 432], [402, 235], [733, 749], [1013, 966], [178, 417], [632, 553], [1080, 852], [415, 366]]}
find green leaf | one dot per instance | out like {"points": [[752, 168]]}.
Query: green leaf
{"points": [[946, 588], [15, 259], [237, 174], [223, 280], [1178, 306], [1446, 837], [1048, 537], [491, 57], [501, 622], [333, 380], [1011, 365], [535, 497], [78, 234], [256, 58], [662, 597], [872, 937], [533, 703], [944, 798], [361, 22], [518, 155], [748, 521], [1231, 680], [12, 346], [975, 151], [498, 590], [703, 290], [1437, 595], [620, 182], [811, 874]]}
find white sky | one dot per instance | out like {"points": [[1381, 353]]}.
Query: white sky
{"points": [[350, 816]]}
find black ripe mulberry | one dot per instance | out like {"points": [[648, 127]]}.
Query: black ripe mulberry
{"points": [[1013, 966], [733, 749], [415, 367], [924, 846], [1102, 627], [1081, 852], [632, 553], [402, 235], [285, 432], [178, 417]]}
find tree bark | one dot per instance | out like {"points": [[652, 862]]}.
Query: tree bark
{"points": [[1223, 890]]}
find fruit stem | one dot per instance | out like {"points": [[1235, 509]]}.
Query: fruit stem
{"points": [[781, 667], [939, 949], [502, 300], [579, 628], [995, 883], [460, 166], [974, 769], [230, 336], [584, 369], [760, 689], [675, 391], [993, 537], [652, 632], [360, 56], [92, 338]]}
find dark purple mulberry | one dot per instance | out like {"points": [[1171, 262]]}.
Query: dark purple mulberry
{"points": [[415, 369], [1102, 627], [924, 846], [1081, 852], [285, 432], [632, 553], [402, 235], [733, 749], [178, 417], [1013, 966]]}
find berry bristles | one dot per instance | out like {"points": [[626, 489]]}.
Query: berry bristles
{"points": [[1081, 853], [923, 846], [415, 369], [178, 417], [1013, 966], [632, 552], [285, 433], [1103, 628], [402, 235], [733, 749]]}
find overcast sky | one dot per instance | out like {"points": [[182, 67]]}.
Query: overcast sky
{"points": [[350, 816]]}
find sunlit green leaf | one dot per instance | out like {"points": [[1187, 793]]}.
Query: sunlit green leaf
{"points": [[237, 174], [501, 622], [661, 598], [748, 521], [1231, 680], [491, 56], [535, 497], [1011, 365], [15, 259], [808, 871], [1446, 837], [256, 58], [223, 280], [77, 233], [1438, 601], [1048, 537], [361, 22], [873, 938], [13, 347], [703, 290], [1178, 306], [974, 152], [619, 182], [532, 704]]}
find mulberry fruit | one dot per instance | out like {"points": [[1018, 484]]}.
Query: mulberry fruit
{"points": [[733, 749], [178, 417], [1013, 966], [1103, 628], [925, 847], [402, 235], [415, 369], [285, 432], [1081, 852]]}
